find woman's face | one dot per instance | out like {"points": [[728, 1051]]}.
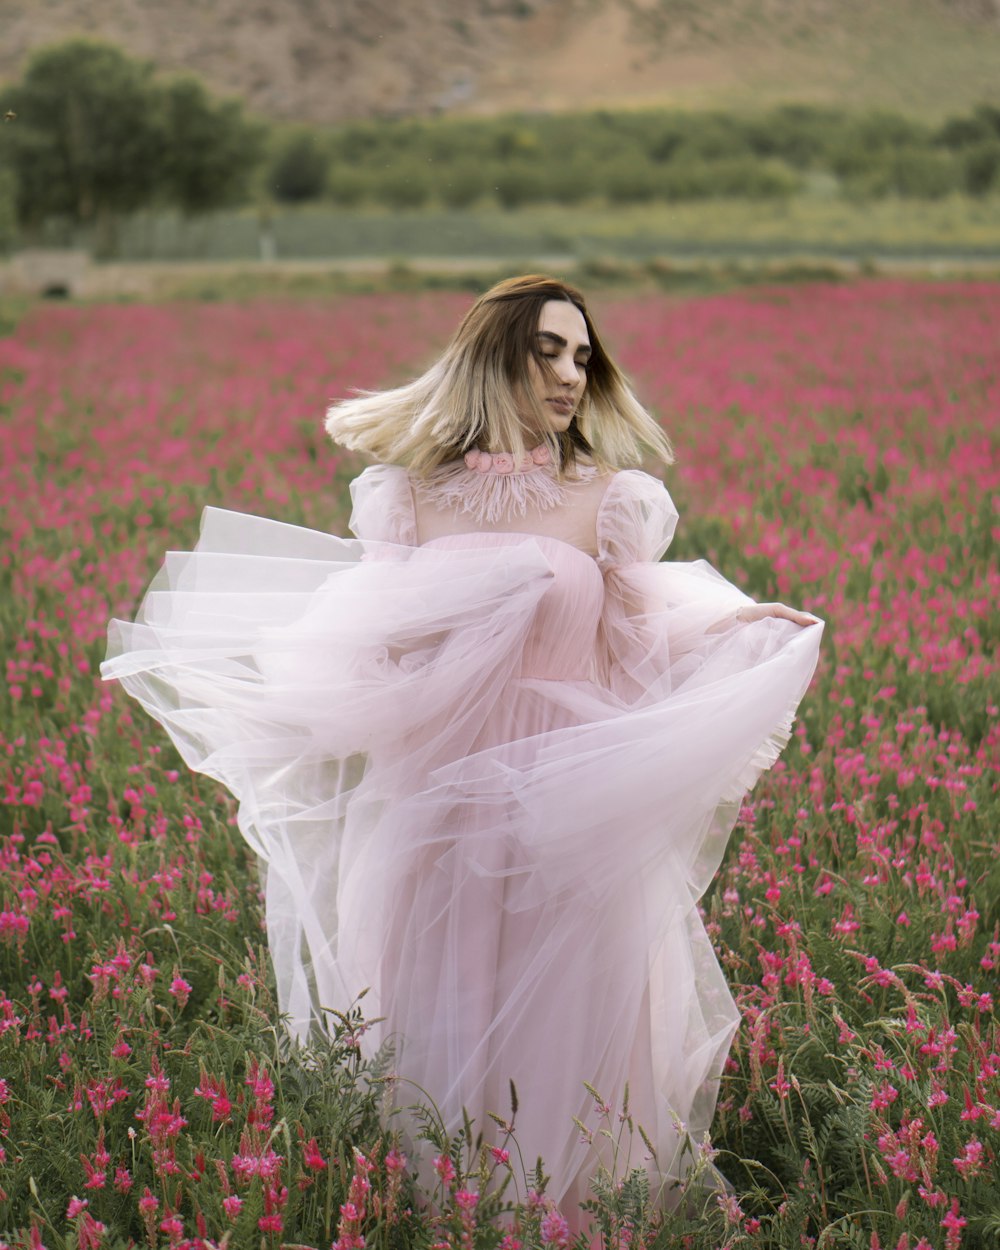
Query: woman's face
{"points": [[565, 344]]}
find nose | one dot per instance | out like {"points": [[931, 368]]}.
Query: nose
{"points": [[566, 371]]}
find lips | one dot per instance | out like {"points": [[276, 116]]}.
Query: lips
{"points": [[562, 404]]}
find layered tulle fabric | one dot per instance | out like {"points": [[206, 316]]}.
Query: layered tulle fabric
{"points": [[489, 775]]}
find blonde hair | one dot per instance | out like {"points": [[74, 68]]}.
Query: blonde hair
{"points": [[470, 396]]}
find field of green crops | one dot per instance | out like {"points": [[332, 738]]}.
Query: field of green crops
{"points": [[957, 225]]}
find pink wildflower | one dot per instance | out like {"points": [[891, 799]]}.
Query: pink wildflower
{"points": [[445, 1170], [970, 1162], [395, 1161], [180, 990], [148, 1203], [173, 1226], [554, 1229], [779, 1085], [90, 1233], [953, 1223], [232, 1205]]}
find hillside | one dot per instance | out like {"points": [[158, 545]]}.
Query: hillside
{"points": [[328, 60]]}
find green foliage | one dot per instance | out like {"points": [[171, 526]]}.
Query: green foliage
{"points": [[8, 207], [725, 179], [521, 182], [981, 167], [96, 137], [629, 179], [651, 156], [299, 167], [981, 126], [347, 187], [462, 184], [799, 134], [89, 138], [210, 149], [405, 183], [921, 174]]}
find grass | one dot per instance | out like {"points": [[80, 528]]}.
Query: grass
{"points": [[820, 224]]}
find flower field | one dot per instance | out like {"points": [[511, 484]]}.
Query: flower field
{"points": [[837, 449]]}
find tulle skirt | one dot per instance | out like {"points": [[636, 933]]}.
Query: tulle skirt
{"points": [[509, 865]]}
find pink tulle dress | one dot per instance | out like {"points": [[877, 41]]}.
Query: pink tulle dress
{"points": [[489, 754]]}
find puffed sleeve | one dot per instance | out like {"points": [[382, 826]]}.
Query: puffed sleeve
{"points": [[636, 520], [662, 623], [383, 506]]}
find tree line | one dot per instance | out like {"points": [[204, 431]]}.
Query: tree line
{"points": [[94, 135], [91, 135], [635, 156]]}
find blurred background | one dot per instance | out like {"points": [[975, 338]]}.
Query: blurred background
{"points": [[149, 144]]}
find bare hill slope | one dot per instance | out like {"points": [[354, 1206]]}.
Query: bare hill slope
{"points": [[328, 60]]}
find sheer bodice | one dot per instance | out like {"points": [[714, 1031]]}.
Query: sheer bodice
{"points": [[563, 634]]}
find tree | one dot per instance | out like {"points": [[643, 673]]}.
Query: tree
{"points": [[8, 204], [299, 168], [89, 136], [97, 137], [210, 149]]}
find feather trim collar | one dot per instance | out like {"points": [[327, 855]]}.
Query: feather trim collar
{"points": [[492, 488]]}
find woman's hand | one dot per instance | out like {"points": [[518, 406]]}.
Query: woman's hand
{"points": [[758, 612]]}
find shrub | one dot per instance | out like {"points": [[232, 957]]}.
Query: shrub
{"points": [[716, 137], [521, 183], [800, 135], [981, 126], [576, 181], [8, 208], [299, 168], [981, 167], [211, 150], [462, 184], [402, 185], [629, 180], [347, 186], [738, 176], [922, 174], [513, 141], [666, 141]]}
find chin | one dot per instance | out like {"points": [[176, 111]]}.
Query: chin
{"points": [[559, 424]]}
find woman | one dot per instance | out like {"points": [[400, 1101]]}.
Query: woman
{"points": [[491, 751]]}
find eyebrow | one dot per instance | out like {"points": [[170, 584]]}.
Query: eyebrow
{"points": [[559, 341]]}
